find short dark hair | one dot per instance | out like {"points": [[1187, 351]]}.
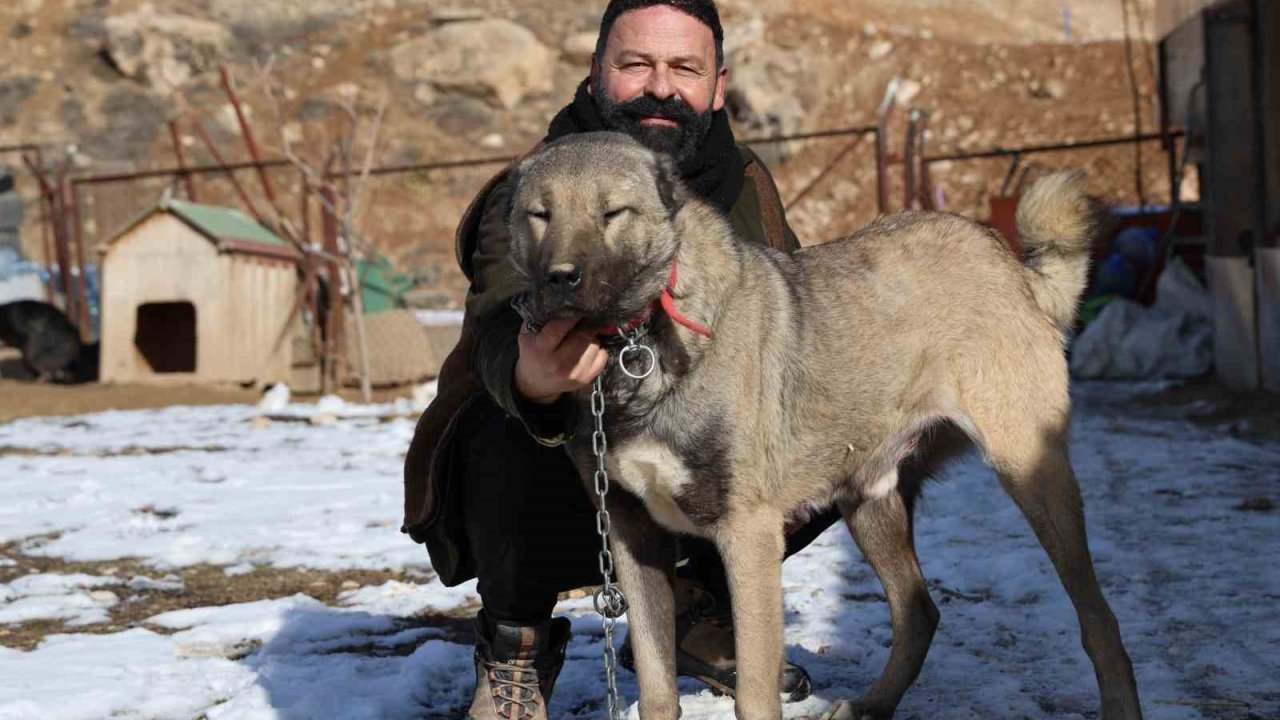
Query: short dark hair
{"points": [[704, 11]]}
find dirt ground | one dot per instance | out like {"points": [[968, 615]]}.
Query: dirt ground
{"points": [[202, 586], [21, 398], [1251, 416]]}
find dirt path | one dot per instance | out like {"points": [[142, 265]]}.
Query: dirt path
{"points": [[20, 399]]}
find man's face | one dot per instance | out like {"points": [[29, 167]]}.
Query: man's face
{"points": [[657, 80]]}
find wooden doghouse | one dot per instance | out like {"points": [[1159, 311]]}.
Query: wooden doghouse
{"points": [[195, 293]]}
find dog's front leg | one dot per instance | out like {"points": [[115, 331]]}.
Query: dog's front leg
{"points": [[751, 545], [645, 556]]}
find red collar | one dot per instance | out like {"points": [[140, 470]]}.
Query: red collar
{"points": [[668, 304]]}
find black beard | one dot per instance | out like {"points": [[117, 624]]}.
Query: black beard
{"points": [[680, 142]]}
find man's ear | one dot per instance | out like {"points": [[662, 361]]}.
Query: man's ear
{"points": [[722, 82], [670, 188], [591, 79]]}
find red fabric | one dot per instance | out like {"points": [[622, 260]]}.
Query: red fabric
{"points": [[668, 304]]}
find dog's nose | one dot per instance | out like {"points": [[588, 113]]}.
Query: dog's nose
{"points": [[564, 278]]}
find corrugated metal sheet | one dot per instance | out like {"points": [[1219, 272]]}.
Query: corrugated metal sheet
{"points": [[223, 222]]}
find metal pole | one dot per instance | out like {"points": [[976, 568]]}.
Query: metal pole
{"points": [[213, 150], [1054, 147], [882, 146], [187, 180], [335, 322], [46, 231], [247, 133], [824, 172], [76, 239], [909, 160]]}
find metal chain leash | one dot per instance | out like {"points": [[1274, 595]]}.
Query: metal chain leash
{"points": [[609, 601]]}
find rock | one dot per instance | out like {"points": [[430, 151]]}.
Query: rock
{"points": [[424, 93], [459, 58], [451, 15], [13, 92], [492, 141], [1046, 90], [273, 17], [879, 49], [907, 91], [106, 598], [275, 399], [130, 120], [579, 47], [760, 94], [164, 51], [1258, 504]]}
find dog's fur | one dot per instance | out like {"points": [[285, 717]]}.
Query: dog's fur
{"points": [[844, 374], [49, 343]]}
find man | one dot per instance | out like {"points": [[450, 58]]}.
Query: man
{"points": [[486, 486]]}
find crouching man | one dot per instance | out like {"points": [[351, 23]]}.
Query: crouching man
{"points": [[487, 487]]}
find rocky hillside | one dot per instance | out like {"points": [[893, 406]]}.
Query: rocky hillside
{"points": [[98, 80]]}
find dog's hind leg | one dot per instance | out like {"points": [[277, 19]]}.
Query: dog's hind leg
{"points": [[751, 545], [882, 528], [1030, 456], [645, 556]]}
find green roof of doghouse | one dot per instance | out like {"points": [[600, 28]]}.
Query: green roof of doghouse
{"points": [[228, 228]]}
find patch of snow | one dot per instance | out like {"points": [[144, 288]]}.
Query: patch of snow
{"points": [[406, 599], [49, 596], [1188, 577]]}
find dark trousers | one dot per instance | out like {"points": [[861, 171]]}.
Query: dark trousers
{"points": [[530, 521]]}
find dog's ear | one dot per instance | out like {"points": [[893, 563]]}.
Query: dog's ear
{"points": [[670, 188], [515, 176]]}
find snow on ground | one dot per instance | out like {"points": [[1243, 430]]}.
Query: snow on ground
{"points": [[1193, 581]]}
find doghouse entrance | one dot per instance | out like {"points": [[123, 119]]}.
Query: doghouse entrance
{"points": [[166, 336]]}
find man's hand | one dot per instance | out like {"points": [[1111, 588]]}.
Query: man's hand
{"points": [[558, 359]]}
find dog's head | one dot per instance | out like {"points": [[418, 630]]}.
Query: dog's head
{"points": [[592, 228]]}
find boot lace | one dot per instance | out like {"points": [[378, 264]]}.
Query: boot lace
{"points": [[516, 687]]}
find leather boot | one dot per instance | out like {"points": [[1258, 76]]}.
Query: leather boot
{"points": [[705, 645], [516, 668]]}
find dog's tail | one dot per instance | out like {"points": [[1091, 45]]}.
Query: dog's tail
{"points": [[1056, 223]]}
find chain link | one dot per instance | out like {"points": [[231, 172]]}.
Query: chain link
{"points": [[609, 601]]}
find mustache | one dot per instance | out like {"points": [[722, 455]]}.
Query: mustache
{"points": [[672, 108]]}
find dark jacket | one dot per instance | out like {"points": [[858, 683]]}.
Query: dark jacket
{"points": [[484, 358]]}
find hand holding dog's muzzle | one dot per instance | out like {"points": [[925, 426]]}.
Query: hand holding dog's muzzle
{"points": [[561, 357]]}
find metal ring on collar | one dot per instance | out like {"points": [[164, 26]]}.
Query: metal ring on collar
{"points": [[622, 361]]}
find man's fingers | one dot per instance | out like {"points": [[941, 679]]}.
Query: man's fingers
{"points": [[598, 365], [553, 333], [585, 370], [572, 348]]}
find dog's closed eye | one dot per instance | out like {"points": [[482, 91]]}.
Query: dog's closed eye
{"points": [[611, 214], [543, 215]]}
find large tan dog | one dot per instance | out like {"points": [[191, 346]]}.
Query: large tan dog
{"points": [[842, 374]]}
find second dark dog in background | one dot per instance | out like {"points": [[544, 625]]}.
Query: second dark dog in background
{"points": [[50, 344]]}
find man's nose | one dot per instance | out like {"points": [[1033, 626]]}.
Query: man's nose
{"points": [[659, 85]]}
